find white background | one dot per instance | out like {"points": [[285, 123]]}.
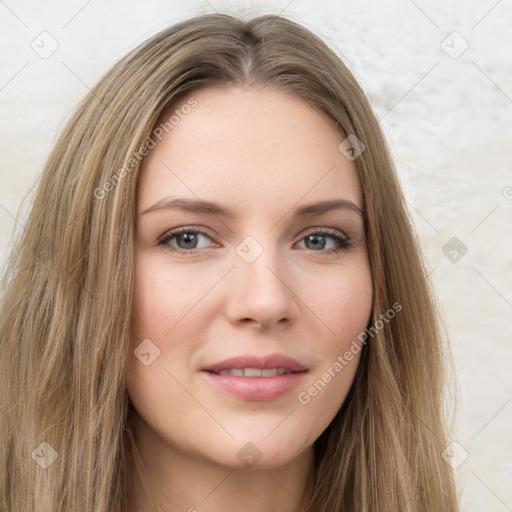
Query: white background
{"points": [[448, 121]]}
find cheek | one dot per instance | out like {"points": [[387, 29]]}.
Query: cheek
{"points": [[169, 319], [342, 301], [161, 301], [345, 310], [164, 300], [349, 304], [155, 312]]}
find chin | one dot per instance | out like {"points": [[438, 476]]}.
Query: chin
{"points": [[257, 452]]}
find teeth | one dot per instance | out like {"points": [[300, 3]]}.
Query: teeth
{"points": [[239, 373], [254, 372]]}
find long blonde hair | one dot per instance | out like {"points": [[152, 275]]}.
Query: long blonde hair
{"points": [[66, 307]]}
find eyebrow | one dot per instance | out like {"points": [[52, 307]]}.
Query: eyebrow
{"points": [[213, 208]]}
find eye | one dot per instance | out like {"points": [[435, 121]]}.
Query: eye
{"points": [[184, 240], [187, 240], [318, 240]]}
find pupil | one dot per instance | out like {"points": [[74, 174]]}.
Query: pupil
{"points": [[188, 239], [316, 242]]}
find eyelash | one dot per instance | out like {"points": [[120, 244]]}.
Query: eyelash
{"points": [[343, 242]]}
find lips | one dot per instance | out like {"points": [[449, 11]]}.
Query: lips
{"points": [[256, 378]]}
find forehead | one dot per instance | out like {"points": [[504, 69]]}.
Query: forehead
{"points": [[253, 147]]}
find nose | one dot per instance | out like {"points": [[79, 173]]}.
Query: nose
{"points": [[260, 291]]}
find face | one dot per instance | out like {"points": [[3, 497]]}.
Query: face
{"points": [[243, 310]]}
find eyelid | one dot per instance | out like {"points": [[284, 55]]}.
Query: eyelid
{"points": [[324, 230]]}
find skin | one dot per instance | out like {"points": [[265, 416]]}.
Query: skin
{"points": [[263, 153]]}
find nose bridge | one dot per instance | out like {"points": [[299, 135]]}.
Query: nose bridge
{"points": [[262, 291], [258, 262]]}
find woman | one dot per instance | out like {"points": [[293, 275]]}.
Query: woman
{"points": [[218, 302]]}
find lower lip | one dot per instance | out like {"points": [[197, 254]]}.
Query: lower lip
{"points": [[255, 388]]}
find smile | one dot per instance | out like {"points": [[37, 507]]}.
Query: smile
{"points": [[254, 377]]}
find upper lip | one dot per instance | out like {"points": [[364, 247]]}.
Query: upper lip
{"points": [[263, 363]]}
